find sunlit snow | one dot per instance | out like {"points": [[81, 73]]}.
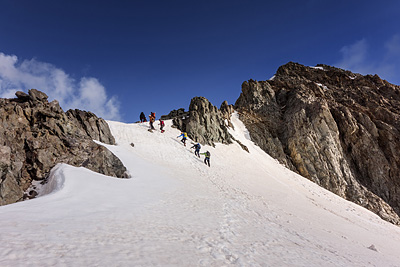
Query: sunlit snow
{"points": [[323, 86], [244, 210], [318, 68]]}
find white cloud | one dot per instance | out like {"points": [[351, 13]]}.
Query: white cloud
{"points": [[87, 93], [354, 56], [393, 46], [358, 57]]}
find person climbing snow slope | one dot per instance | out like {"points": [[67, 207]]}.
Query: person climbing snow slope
{"points": [[196, 149], [152, 118], [142, 117], [184, 137], [207, 158], [162, 124]]}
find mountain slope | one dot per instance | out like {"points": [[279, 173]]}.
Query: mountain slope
{"points": [[245, 210], [334, 127]]}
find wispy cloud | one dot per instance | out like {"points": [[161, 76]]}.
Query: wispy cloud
{"points": [[358, 57], [354, 57], [393, 46], [87, 93]]}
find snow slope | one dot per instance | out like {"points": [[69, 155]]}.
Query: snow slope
{"points": [[244, 210]]}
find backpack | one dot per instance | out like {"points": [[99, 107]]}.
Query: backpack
{"points": [[208, 154]]}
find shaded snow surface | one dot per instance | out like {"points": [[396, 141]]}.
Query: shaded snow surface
{"points": [[244, 210]]}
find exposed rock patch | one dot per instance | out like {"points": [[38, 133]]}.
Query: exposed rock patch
{"points": [[96, 128], [179, 113], [338, 129], [36, 135], [205, 123]]}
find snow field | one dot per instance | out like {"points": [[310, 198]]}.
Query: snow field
{"points": [[245, 210]]}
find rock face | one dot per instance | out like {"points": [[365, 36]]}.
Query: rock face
{"points": [[96, 128], [338, 129], [205, 123], [35, 135]]}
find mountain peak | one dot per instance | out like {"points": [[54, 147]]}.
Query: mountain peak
{"points": [[334, 127]]}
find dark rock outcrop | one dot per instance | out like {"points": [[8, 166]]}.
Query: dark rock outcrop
{"points": [[205, 123], [179, 113], [338, 129], [96, 128], [35, 135]]}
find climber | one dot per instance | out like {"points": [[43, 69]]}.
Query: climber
{"points": [[142, 117], [196, 149], [162, 124], [152, 117], [207, 158], [184, 137]]}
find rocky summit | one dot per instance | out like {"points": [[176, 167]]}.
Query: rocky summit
{"points": [[336, 128], [35, 135]]}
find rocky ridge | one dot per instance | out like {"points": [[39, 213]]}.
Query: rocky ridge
{"points": [[36, 135], [336, 128]]}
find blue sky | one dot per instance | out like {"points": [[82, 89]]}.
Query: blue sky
{"points": [[118, 58]]}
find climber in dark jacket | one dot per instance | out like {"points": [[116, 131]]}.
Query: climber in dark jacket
{"points": [[142, 117], [197, 149]]}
